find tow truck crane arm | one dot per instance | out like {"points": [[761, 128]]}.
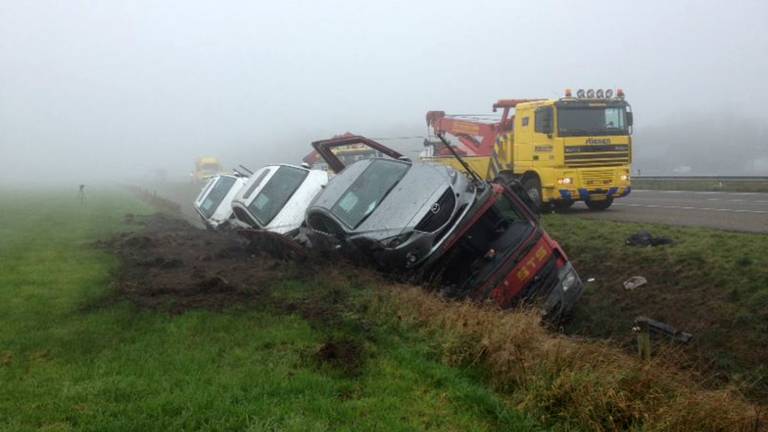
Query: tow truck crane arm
{"points": [[476, 135]]}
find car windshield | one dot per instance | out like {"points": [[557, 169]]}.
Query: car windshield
{"points": [[368, 191], [278, 190], [591, 121], [216, 195]]}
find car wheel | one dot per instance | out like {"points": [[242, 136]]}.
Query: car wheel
{"points": [[532, 187], [599, 205]]}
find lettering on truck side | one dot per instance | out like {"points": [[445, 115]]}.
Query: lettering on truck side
{"points": [[598, 141], [523, 273]]}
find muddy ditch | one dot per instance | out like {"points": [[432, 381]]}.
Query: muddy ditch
{"points": [[170, 266]]}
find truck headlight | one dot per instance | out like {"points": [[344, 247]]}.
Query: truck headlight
{"points": [[624, 177], [570, 280], [565, 181]]}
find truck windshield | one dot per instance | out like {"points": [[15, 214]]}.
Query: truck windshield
{"points": [[216, 195], [368, 190], [485, 247], [592, 121], [278, 190]]}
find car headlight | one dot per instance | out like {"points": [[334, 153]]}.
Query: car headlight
{"points": [[397, 240], [570, 280]]}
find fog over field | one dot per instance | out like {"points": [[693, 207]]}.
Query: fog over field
{"points": [[91, 90]]}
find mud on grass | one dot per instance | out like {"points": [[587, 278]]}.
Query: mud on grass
{"points": [[170, 266]]}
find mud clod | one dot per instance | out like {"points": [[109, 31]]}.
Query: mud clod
{"points": [[345, 355]]}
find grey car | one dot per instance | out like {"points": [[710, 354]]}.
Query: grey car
{"points": [[390, 209]]}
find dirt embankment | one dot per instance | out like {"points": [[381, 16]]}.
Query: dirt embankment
{"points": [[171, 266], [168, 264]]}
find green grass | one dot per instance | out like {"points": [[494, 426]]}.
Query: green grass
{"points": [[711, 283], [702, 185], [67, 366]]}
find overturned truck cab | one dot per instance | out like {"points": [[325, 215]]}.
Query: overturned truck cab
{"points": [[501, 252]]}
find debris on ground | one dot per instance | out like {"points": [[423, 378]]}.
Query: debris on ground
{"points": [[634, 282], [649, 325], [645, 239]]}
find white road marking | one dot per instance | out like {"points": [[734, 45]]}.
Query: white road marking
{"points": [[692, 208]]}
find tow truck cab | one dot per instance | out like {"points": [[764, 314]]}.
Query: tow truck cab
{"points": [[501, 253]]}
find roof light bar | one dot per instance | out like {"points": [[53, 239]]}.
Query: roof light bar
{"points": [[596, 94]]}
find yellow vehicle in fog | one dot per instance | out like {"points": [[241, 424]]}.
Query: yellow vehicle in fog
{"points": [[206, 167], [561, 151]]}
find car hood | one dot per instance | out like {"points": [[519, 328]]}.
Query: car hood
{"points": [[407, 203]]}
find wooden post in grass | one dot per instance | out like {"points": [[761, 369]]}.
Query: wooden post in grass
{"points": [[643, 339]]}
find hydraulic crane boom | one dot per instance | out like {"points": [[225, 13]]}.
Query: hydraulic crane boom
{"points": [[476, 133]]}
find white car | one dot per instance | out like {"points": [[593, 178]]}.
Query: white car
{"points": [[276, 197], [214, 203]]}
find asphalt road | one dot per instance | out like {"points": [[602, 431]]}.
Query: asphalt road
{"points": [[735, 211]]}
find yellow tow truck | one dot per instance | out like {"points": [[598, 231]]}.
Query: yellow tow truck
{"points": [[561, 151]]}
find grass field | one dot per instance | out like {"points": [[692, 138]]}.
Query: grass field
{"points": [[68, 365], [379, 357], [711, 283]]}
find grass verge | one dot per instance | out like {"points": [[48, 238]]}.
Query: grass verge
{"points": [[566, 383], [711, 283], [65, 365]]}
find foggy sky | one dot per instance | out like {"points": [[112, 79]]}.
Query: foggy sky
{"points": [[96, 88]]}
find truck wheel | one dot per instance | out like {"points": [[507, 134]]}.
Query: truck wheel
{"points": [[532, 186], [599, 205]]}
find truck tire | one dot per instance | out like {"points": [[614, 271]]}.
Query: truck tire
{"points": [[532, 186], [513, 183], [562, 205], [599, 205]]}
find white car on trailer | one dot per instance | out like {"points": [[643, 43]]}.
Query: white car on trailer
{"points": [[214, 203], [277, 196]]}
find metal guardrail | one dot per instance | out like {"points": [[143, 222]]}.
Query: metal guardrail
{"points": [[699, 178]]}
